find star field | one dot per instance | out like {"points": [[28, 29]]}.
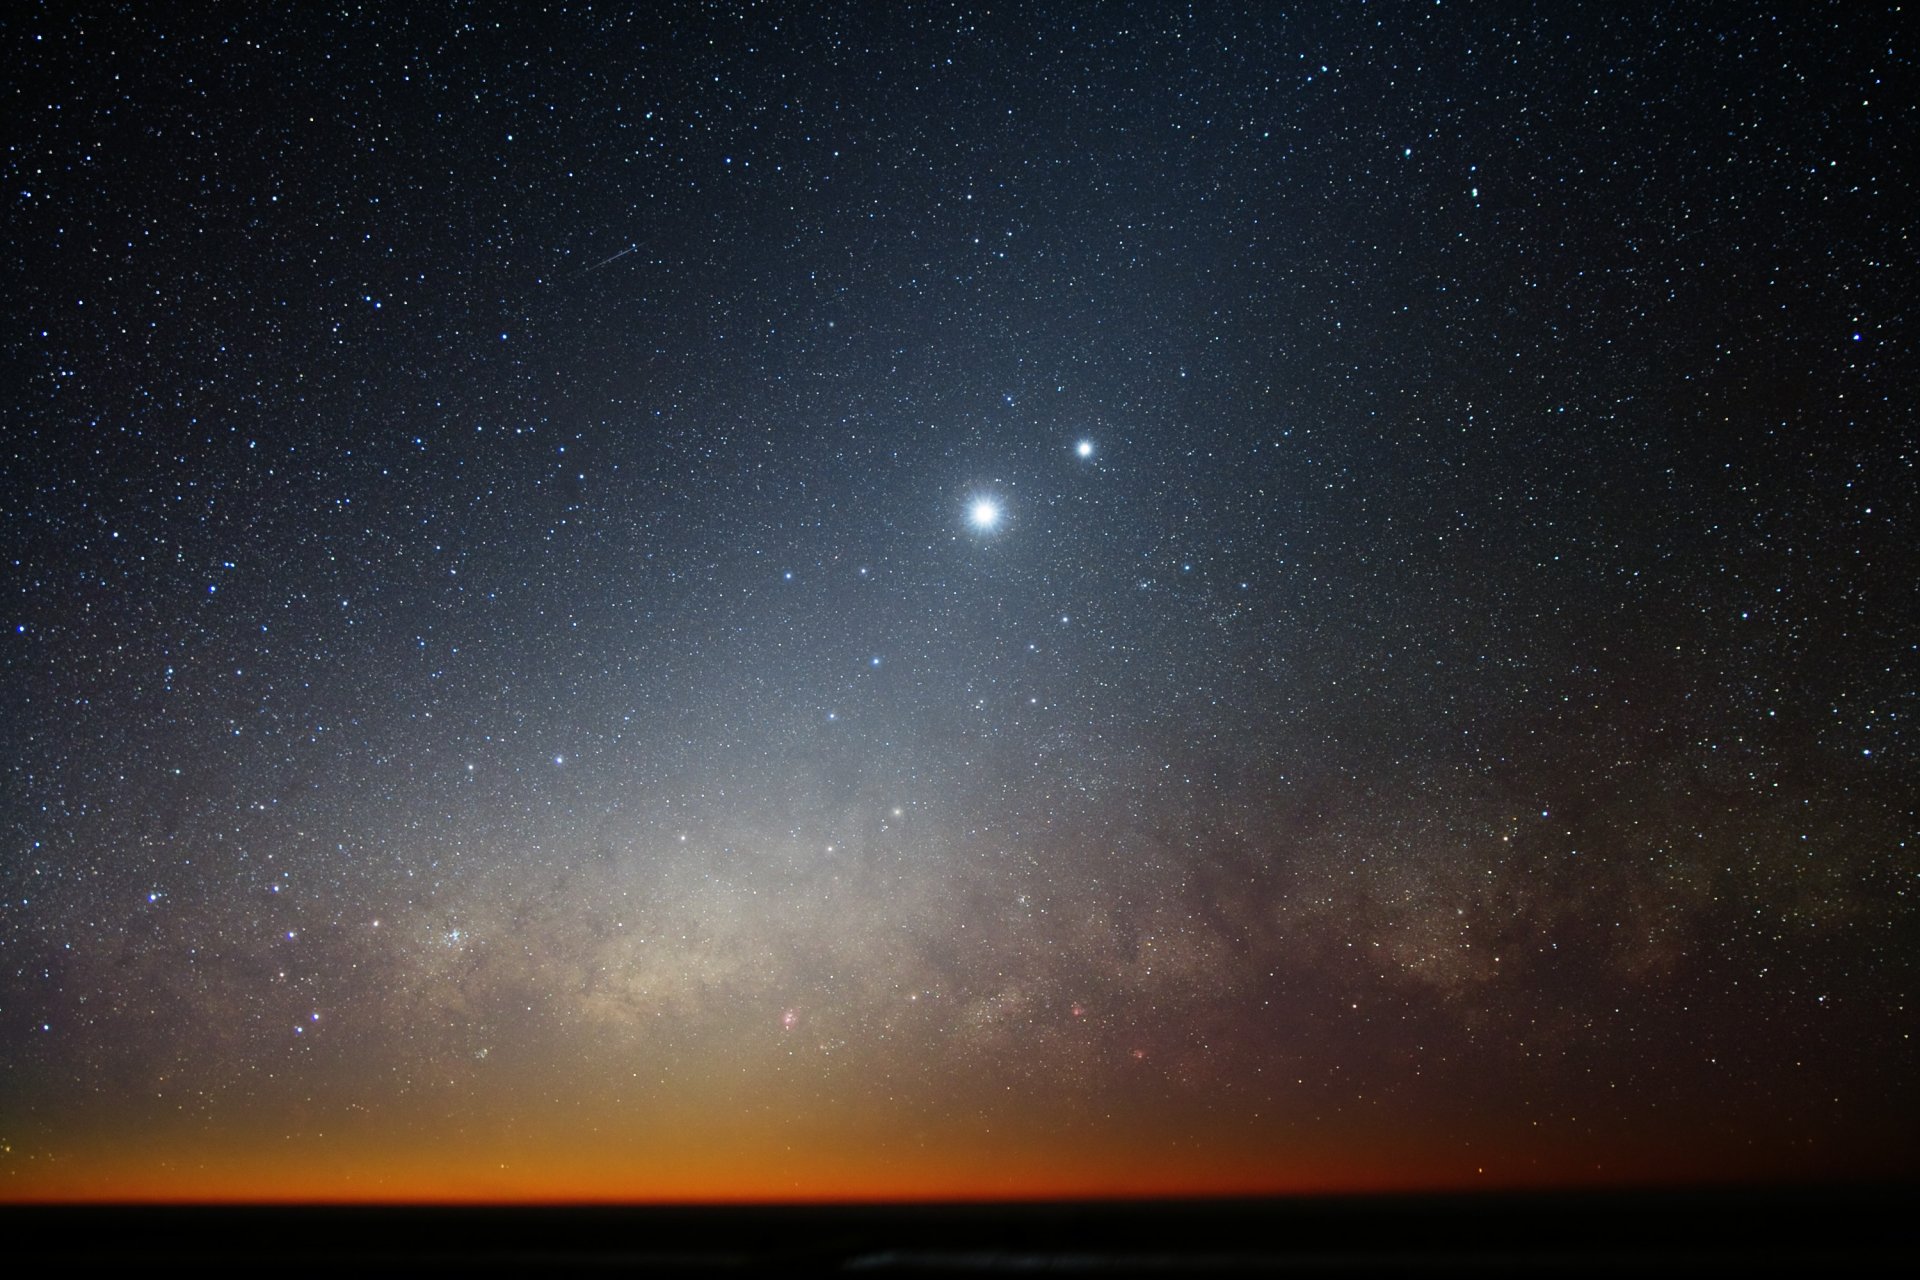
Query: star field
{"points": [[811, 601]]}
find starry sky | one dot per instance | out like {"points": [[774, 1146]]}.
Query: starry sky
{"points": [[784, 601]]}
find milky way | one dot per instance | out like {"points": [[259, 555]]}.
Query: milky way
{"points": [[904, 601]]}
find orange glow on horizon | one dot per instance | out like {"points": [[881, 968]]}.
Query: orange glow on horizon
{"points": [[366, 1173]]}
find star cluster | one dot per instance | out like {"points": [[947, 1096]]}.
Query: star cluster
{"points": [[899, 600]]}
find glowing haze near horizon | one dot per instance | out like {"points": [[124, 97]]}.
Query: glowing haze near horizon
{"points": [[906, 601]]}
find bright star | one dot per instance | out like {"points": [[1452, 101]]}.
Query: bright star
{"points": [[985, 513], [1084, 448]]}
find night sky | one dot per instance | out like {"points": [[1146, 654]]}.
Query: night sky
{"points": [[906, 600]]}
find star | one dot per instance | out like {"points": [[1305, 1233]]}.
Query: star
{"points": [[1084, 449], [984, 514]]}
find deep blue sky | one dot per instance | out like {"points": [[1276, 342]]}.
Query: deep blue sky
{"points": [[498, 667]]}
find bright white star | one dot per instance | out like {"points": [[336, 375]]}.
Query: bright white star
{"points": [[985, 513], [1084, 448]]}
